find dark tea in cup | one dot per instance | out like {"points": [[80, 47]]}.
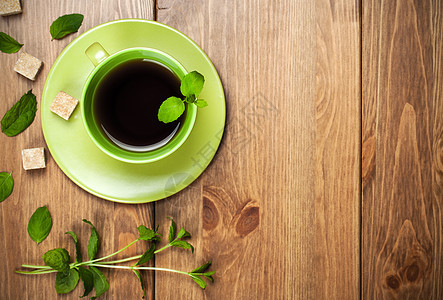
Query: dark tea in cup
{"points": [[121, 99], [127, 100]]}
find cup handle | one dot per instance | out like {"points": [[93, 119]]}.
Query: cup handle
{"points": [[96, 53]]}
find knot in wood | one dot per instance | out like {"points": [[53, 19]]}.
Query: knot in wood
{"points": [[412, 272], [393, 282], [248, 220], [210, 215]]}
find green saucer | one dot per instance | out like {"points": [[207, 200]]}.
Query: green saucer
{"points": [[90, 168]]}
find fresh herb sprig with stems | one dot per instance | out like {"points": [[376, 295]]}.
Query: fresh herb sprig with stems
{"points": [[69, 273], [172, 108]]}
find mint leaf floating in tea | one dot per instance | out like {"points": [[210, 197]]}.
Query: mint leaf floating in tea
{"points": [[40, 224], [65, 25], [68, 274], [20, 116], [8, 44], [192, 84], [201, 103], [6, 185], [172, 108]]}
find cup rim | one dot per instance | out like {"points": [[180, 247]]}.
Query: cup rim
{"points": [[147, 156]]}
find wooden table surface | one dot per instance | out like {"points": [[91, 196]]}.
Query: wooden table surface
{"points": [[328, 183]]}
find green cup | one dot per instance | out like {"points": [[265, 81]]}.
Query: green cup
{"points": [[104, 63]]}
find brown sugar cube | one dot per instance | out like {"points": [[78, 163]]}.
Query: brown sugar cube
{"points": [[63, 105], [33, 158], [27, 65], [10, 7]]}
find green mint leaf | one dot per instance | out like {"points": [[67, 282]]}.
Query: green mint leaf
{"points": [[78, 252], [139, 276], [20, 116], [183, 234], [40, 224], [58, 259], [209, 273], [202, 268], [201, 103], [172, 230], [66, 281], [6, 185], [147, 256], [65, 25], [209, 277], [199, 281], [88, 280], [93, 241], [171, 109], [101, 285], [182, 244], [147, 234], [8, 44], [192, 84]]}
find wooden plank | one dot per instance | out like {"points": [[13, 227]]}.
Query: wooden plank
{"points": [[278, 208], [337, 164], [402, 167], [67, 203]]}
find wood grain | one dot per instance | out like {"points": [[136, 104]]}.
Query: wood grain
{"points": [[326, 135], [402, 150], [67, 203], [278, 208]]}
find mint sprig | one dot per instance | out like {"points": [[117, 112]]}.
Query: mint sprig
{"points": [[172, 108], [69, 274]]}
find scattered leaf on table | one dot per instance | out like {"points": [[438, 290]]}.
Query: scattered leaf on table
{"points": [[40, 224], [6, 185], [65, 25], [20, 116], [8, 44]]}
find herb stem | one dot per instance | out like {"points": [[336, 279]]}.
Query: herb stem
{"points": [[161, 249], [139, 268], [121, 260], [36, 272], [36, 267], [107, 256]]}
